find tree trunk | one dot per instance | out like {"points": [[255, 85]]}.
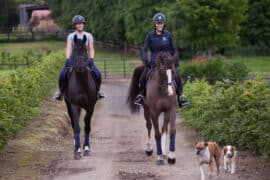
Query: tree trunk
{"points": [[209, 53], [125, 48]]}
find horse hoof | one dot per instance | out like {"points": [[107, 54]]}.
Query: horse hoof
{"points": [[86, 153], [77, 155], [171, 161], [160, 162], [149, 152]]}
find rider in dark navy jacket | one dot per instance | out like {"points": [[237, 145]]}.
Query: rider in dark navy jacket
{"points": [[158, 40]]}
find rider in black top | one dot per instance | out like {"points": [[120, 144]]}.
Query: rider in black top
{"points": [[159, 40]]}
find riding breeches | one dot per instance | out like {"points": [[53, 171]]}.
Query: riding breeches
{"points": [[70, 62]]}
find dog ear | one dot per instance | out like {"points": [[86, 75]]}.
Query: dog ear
{"points": [[225, 150], [233, 148], [84, 38], [206, 144], [75, 39]]}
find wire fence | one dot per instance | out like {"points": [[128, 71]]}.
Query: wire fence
{"points": [[19, 36]]}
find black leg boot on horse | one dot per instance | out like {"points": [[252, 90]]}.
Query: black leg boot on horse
{"points": [[179, 89], [139, 100]]}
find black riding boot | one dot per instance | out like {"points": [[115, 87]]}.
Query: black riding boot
{"points": [[98, 84], [179, 89], [60, 95], [139, 100]]}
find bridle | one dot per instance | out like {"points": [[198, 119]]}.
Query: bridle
{"points": [[165, 74]]}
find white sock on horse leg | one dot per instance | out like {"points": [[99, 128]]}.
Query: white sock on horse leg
{"points": [[163, 143], [171, 155], [149, 144]]}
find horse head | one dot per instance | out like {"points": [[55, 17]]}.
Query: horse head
{"points": [[79, 53], [165, 68]]}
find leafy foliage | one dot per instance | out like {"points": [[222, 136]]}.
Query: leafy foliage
{"points": [[256, 28], [230, 113], [197, 24], [22, 92], [27, 58], [215, 68]]}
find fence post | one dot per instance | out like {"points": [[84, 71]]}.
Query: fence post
{"points": [[124, 66], [105, 68]]}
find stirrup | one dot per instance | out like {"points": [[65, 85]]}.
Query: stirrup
{"points": [[100, 95], [139, 100], [182, 102], [59, 96]]}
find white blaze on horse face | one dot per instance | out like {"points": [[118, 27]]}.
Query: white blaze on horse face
{"points": [[163, 143], [169, 76]]}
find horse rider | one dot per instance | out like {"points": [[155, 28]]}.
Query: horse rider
{"points": [[78, 23], [158, 40]]}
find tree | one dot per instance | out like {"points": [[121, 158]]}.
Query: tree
{"points": [[8, 15], [256, 28], [206, 24]]}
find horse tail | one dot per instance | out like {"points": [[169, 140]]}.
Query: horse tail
{"points": [[134, 89]]}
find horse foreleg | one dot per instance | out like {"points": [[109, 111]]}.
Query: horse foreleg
{"points": [[171, 156], [155, 122], [164, 131], [70, 115], [87, 130], [75, 115], [149, 148]]}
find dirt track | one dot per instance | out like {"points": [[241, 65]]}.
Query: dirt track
{"points": [[44, 149]]}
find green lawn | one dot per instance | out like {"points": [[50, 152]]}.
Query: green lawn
{"points": [[4, 73], [255, 64], [21, 47]]}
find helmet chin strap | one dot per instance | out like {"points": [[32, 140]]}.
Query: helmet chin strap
{"points": [[158, 31]]}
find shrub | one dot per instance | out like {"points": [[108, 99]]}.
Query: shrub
{"points": [[22, 92], [231, 113], [27, 58], [215, 68]]}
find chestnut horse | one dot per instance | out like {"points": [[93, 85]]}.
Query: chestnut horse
{"points": [[160, 98], [80, 94]]}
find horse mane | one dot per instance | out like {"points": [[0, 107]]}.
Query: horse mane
{"points": [[163, 61]]}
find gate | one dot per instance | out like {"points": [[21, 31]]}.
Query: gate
{"points": [[117, 68]]}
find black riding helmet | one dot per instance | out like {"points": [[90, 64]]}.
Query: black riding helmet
{"points": [[159, 18], [78, 19]]}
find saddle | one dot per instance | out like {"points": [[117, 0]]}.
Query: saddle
{"points": [[70, 69]]}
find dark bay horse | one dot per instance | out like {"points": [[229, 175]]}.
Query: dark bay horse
{"points": [[160, 98], [80, 94]]}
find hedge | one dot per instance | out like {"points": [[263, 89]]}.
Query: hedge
{"points": [[216, 68], [22, 92], [230, 113]]}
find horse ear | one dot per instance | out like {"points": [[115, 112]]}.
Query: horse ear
{"points": [[75, 39], [84, 38]]}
